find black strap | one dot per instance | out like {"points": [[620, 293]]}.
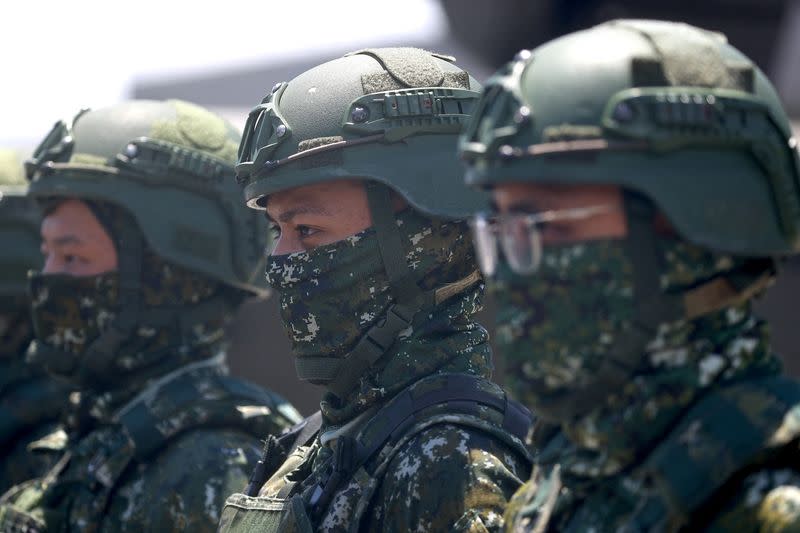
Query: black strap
{"points": [[370, 349], [182, 394], [101, 353], [402, 281], [375, 343], [341, 375], [461, 393], [683, 473], [652, 305]]}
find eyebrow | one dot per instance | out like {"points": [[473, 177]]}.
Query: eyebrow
{"points": [[67, 239], [287, 216]]}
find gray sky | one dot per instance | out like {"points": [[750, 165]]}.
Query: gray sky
{"points": [[61, 56]]}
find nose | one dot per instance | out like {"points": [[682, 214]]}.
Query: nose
{"points": [[52, 265], [286, 245]]}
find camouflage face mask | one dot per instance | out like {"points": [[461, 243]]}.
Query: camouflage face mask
{"points": [[557, 326], [330, 296], [70, 312]]}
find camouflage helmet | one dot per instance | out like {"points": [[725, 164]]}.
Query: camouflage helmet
{"points": [[19, 229], [391, 115], [168, 164], [667, 110]]}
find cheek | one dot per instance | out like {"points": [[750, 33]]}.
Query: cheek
{"points": [[107, 262]]}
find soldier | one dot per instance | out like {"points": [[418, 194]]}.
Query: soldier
{"points": [[146, 254], [30, 401], [645, 182], [354, 162]]}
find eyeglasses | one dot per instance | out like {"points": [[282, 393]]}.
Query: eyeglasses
{"points": [[520, 236]]}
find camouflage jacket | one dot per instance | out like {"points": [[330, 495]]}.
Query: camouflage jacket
{"points": [[30, 405], [430, 459], [163, 462], [730, 463]]}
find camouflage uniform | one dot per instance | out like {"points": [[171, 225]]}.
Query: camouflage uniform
{"points": [[662, 406], [30, 401], [157, 433], [412, 435]]}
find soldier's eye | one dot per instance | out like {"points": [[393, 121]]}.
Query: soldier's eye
{"points": [[306, 231]]}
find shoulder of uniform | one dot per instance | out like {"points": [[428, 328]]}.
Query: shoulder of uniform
{"points": [[454, 448], [449, 478], [183, 486]]}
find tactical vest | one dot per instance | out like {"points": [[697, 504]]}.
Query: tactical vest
{"points": [[725, 436], [79, 486], [362, 451]]}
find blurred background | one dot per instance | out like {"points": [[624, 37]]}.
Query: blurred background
{"points": [[61, 56]]}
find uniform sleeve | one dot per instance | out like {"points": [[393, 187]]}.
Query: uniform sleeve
{"points": [[447, 478], [185, 487], [767, 501]]}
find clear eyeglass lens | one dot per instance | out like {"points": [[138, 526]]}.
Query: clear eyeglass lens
{"points": [[483, 236], [521, 242]]}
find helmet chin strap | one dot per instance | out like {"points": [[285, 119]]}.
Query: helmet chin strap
{"points": [[98, 359], [340, 376]]}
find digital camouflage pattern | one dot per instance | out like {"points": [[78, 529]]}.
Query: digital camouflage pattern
{"points": [[157, 434], [571, 341], [449, 472], [183, 485], [101, 484], [665, 409], [347, 279], [70, 324], [595, 459], [453, 472]]}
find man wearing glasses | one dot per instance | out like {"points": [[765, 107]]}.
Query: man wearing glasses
{"points": [[645, 184]]}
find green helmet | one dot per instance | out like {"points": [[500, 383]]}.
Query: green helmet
{"points": [[663, 109], [19, 230], [168, 165], [390, 115]]}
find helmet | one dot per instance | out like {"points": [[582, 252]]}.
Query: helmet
{"points": [[168, 165], [19, 230], [390, 115], [667, 110]]}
